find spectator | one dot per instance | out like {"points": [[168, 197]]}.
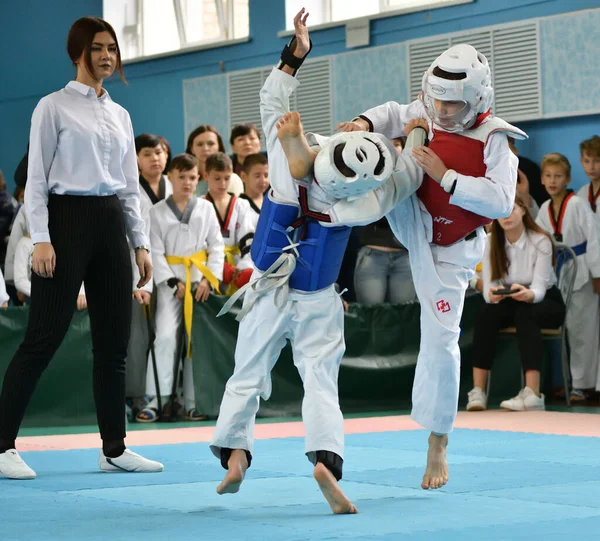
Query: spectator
{"points": [[236, 221], [476, 283], [532, 173], [399, 143], [382, 272], [7, 213], [570, 221], [167, 149], [523, 193], [590, 160], [19, 197], [23, 255], [519, 290], [21, 170], [202, 143], [20, 227], [4, 298], [152, 156], [152, 161], [244, 140], [183, 225], [255, 176]]}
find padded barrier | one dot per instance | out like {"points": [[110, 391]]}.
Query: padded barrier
{"points": [[376, 372]]}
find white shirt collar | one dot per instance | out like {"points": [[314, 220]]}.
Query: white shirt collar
{"points": [[520, 243], [86, 90]]}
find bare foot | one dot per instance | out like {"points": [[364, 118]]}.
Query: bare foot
{"points": [[237, 464], [338, 501], [299, 155], [436, 473]]}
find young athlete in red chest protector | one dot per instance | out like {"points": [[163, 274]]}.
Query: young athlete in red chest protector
{"points": [[469, 179]]}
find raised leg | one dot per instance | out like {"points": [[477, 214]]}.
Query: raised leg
{"points": [[299, 155]]}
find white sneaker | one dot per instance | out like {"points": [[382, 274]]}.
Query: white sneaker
{"points": [[526, 400], [477, 400], [13, 466], [129, 462]]}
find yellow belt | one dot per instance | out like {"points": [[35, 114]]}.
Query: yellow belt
{"points": [[479, 267], [230, 253], [198, 260]]}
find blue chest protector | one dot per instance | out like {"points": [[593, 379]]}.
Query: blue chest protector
{"points": [[321, 249]]}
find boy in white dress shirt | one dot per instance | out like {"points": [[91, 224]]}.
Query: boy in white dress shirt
{"points": [[570, 221]]}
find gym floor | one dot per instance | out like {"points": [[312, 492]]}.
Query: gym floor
{"points": [[531, 475]]}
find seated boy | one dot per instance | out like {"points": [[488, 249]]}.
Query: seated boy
{"points": [[235, 219], [188, 256]]}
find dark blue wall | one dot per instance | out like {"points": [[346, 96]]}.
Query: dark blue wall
{"points": [[35, 63]]}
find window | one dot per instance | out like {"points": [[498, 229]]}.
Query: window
{"points": [[154, 27], [332, 11]]}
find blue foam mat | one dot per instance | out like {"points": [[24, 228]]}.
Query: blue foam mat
{"points": [[503, 486]]}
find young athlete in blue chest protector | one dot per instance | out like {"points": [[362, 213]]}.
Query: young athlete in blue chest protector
{"points": [[297, 252]]}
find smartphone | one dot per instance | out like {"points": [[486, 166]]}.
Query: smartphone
{"points": [[504, 291]]}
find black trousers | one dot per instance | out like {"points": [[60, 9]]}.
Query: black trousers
{"points": [[88, 236], [528, 319]]}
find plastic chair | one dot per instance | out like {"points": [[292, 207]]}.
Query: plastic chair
{"points": [[566, 272]]}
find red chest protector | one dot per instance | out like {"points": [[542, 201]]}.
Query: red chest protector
{"points": [[465, 155]]}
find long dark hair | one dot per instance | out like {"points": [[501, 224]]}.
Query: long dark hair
{"points": [[498, 259], [81, 37]]}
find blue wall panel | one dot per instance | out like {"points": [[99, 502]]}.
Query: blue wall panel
{"points": [[366, 78], [570, 55], [205, 102]]}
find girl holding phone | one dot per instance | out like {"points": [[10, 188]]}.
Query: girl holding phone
{"points": [[519, 287]]}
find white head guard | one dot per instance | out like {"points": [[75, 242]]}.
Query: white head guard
{"points": [[474, 91], [354, 163]]}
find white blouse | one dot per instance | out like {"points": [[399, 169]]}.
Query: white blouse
{"points": [[530, 265], [81, 144]]}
